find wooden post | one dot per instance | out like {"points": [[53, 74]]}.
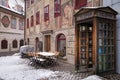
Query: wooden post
{"points": [[77, 61], [94, 37]]}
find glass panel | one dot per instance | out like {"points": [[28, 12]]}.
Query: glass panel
{"points": [[100, 33], [90, 54], [104, 50], [100, 67], [90, 34], [83, 28], [90, 42], [83, 49], [104, 41], [90, 28], [100, 50], [83, 55], [83, 42], [83, 62], [100, 58], [90, 48], [100, 42], [83, 34], [106, 46]]}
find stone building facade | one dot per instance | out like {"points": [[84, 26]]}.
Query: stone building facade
{"points": [[11, 30], [50, 25]]}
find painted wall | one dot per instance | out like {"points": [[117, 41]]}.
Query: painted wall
{"points": [[115, 4], [9, 33], [62, 24]]}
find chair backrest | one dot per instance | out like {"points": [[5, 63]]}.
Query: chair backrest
{"points": [[57, 53]]}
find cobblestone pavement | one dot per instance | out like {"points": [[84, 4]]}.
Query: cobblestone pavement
{"points": [[7, 53], [112, 76], [66, 67]]}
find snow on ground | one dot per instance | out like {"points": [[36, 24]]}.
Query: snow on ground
{"points": [[93, 77], [16, 68]]}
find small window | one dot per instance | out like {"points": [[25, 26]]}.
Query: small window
{"points": [[37, 18], [80, 3], [57, 8], [46, 13], [32, 21], [14, 44], [28, 23], [21, 24], [13, 23], [32, 1], [4, 44], [27, 3], [21, 42]]}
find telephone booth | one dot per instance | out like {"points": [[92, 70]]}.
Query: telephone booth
{"points": [[95, 35]]}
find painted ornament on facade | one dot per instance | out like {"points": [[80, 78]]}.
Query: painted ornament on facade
{"points": [[5, 21], [67, 13]]}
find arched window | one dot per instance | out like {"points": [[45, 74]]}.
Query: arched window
{"points": [[14, 44], [21, 42], [61, 44], [4, 44]]}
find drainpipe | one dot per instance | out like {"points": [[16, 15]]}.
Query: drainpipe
{"points": [[25, 24]]}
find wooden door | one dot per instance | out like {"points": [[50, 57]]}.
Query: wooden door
{"points": [[47, 43]]}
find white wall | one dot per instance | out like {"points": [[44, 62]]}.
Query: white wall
{"points": [[106, 2], [118, 43], [115, 4]]}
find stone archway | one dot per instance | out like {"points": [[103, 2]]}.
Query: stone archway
{"points": [[61, 44]]}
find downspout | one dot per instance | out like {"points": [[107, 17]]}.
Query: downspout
{"points": [[25, 24]]}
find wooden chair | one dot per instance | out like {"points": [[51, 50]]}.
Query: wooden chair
{"points": [[56, 54]]}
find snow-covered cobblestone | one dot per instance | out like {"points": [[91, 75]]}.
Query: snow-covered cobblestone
{"points": [[16, 68]]}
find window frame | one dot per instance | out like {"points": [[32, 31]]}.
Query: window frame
{"points": [[57, 7], [28, 22], [32, 1], [46, 13], [37, 17], [21, 24], [4, 44], [80, 4], [14, 44], [32, 21], [13, 22]]}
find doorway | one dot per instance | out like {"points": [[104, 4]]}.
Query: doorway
{"points": [[61, 44], [47, 43]]}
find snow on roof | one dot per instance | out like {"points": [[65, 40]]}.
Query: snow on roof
{"points": [[93, 7], [11, 9]]}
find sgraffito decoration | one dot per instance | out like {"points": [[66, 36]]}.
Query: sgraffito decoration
{"points": [[5, 21], [67, 13]]}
